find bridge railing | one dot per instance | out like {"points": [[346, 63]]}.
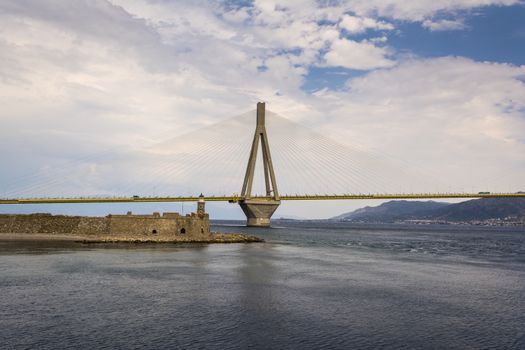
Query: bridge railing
{"points": [[236, 198]]}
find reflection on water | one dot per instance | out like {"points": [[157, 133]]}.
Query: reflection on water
{"points": [[309, 286]]}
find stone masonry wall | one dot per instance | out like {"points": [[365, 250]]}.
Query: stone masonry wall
{"points": [[166, 226], [38, 223]]}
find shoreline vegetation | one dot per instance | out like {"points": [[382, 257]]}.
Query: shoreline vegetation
{"points": [[215, 237]]}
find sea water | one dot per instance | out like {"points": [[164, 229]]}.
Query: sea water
{"points": [[310, 286]]}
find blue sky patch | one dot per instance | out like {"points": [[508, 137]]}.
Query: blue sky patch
{"points": [[493, 33], [496, 34], [329, 77]]}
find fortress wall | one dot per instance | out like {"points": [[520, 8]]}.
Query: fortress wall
{"points": [[58, 224], [92, 226], [38, 223], [137, 226], [5, 222], [168, 226], [195, 225]]}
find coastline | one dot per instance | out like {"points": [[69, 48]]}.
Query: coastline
{"points": [[214, 238]]}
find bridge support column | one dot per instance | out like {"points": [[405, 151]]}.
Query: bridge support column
{"points": [[259, 210]]}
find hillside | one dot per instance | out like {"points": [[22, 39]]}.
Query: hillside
{"points": [[472, 210], [392, 211], [482, 209]]}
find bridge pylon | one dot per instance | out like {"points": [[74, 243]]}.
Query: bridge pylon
{"points": [[258, 210]]}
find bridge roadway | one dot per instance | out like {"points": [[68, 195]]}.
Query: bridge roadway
{"points": [[235, 199]]}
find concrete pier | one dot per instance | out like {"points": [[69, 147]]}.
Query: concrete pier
{"points": [[259, 211]]}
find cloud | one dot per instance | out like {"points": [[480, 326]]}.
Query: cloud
{"points": [[418, 11], [455, 117], [357, 55], [444, 24], [356, 25]]}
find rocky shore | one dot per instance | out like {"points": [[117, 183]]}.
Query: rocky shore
{"points": [[215, 237]]}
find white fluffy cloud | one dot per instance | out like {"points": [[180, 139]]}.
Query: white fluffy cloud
{"points": [[444, 24], [355, 24], [418, 10], [357, 55], [461, 120]]}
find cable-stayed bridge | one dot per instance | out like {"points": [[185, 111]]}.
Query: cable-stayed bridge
{"points": [[218, 159]]}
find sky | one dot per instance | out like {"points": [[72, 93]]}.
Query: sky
{"points": [[439, 84]]}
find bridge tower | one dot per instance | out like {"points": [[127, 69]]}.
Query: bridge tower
{"points": [[258, 210]]}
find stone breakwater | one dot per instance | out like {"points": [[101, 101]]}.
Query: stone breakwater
{"points": [[214, 237], [155, 228]]}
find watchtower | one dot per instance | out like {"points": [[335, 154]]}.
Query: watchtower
{"points": [[201, 212]]}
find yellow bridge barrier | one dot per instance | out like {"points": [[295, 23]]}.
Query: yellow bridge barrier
{"points": [[234, 199]]}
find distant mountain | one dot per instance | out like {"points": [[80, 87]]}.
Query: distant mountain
{"points": [[482, 209], [392, 211], [472, 210]]}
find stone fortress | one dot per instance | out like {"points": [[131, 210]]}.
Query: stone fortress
{"points": [[194, 227]]}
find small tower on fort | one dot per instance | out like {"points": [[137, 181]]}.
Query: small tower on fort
{"points": [[201, 212]]}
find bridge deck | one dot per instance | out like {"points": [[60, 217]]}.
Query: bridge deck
{"points": [[237, 198]]}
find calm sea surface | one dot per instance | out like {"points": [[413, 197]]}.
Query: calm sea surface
{"points": [[310, 286]]}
